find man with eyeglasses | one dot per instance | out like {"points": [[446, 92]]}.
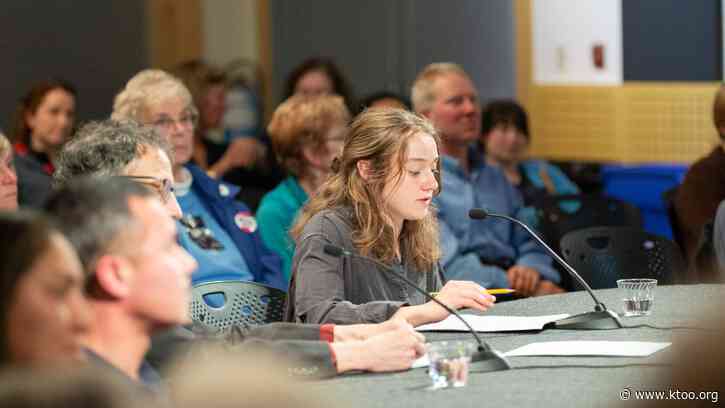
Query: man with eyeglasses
{"points": [[217, 229]]}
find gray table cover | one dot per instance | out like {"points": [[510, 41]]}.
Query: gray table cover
{"points": [[543, 381]]}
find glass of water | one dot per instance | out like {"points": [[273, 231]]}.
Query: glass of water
{"points": [[638, 296], [449, 362]]}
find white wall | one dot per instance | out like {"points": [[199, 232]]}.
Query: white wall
{"points": [[564, 32], [230, 30]]}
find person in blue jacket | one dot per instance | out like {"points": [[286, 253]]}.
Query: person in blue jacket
{"points": [[219, 231], [505, 141]]}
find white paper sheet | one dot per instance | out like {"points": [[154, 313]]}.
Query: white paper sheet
{"points": [[492, 324], [589, 348]]}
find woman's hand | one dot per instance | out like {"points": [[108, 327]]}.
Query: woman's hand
{"points": [[456, 295]]}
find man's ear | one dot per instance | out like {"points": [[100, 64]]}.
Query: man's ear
{"points": [[363, 169], [113, 275]]}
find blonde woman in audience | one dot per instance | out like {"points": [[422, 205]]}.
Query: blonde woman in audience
{"points": [[376, 204], [8, 177], [307, 133], [42, 306], [44, 121], [218, 230]]}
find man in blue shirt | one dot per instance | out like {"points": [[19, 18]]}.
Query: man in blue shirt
{"points": [[494, 253]]}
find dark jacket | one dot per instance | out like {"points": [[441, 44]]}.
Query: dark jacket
{"points": [[35, 173], [698, 197], [299, 345]]}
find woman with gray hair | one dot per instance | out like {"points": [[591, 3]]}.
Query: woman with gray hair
{"points": [[8, 177], [220, 231]]}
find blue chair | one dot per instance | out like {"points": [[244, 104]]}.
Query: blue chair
{"points": [[220, 305]]}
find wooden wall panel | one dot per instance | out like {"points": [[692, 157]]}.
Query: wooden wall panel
{"points": [[175, 31]]}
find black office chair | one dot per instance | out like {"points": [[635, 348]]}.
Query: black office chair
{"points": [[559, 215], [668, 199], [604, 254], [223, 304]]}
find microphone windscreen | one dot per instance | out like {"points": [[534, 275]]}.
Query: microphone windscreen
{"points": [[333, 250], [477, 213]]}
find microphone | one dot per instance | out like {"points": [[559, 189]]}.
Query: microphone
{"points": [[599, 319], [491, 359]]}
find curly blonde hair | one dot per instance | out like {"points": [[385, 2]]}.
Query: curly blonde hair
{"points": [[304, 121], [380, 136]]}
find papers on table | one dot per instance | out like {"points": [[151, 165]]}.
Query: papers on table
{"points": [[589, 348], [492, 323]]}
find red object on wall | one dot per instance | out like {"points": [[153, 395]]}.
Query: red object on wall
{"points": [[598, 55]]}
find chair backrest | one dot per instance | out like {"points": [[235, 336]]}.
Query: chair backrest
{"points": [[223, 304], [561, 214], [604, 254]]}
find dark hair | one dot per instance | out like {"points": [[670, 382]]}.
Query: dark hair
{"points": [[367, 101], [92, 211], [30, 102], [105, 149], [24, 237], [339, 83], [504, 112]]}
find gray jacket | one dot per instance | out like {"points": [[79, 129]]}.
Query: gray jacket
{"points": [[347, 290]]}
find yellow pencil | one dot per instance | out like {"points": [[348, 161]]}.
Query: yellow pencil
{"points": [[490, 292]]}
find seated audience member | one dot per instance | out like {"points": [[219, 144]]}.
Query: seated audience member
{"points": [[319, 76], [8, 177], [216, 150], [384, 99], [307, 133], [43, 121], [703, 188], [138, 277], [219, 231], [42, 308], [376, 204], [505, 140], [113, 148], [495, 253], [120, 148]]}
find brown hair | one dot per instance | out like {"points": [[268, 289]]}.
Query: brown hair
{"points": [[718, 111], [24, 237], [304, 121], [380, 136], [30, 103]]}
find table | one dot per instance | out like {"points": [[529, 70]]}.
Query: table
{"points": [[543, 381]]}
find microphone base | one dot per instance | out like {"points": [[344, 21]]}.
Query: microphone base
{"points": [[489, 360], [597, 320]]}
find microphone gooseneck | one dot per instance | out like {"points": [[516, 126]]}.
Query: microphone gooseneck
{"points": [[601, 318], [494, 360]]}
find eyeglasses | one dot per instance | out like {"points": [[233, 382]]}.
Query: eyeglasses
{"points": [[166, 124], [164, 187]]}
